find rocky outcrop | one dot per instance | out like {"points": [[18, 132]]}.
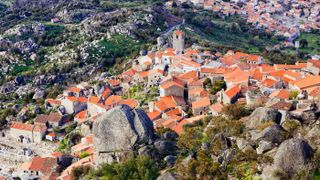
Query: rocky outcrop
{"points": [[167, 176], [293, 156], [120, 132], [274, 134], [262, 115]]}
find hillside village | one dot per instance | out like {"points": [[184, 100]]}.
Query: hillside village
{"points": [[287, 18], [175, 86]]}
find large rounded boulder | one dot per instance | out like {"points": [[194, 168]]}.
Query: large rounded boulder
{"points": [[120, 131], [262, 115], [293, 156], [274, 134]]}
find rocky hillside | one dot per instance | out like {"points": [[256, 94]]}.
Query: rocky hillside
{"points": [[43, 50]]}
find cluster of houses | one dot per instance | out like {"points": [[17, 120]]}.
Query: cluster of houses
{"points": [[184, 97], [271, 14]]}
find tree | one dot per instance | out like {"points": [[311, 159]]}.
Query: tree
{"points": [[304, 43], [235, 111], [142, 167]]}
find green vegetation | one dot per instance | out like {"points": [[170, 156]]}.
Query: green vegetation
{"points": [[309, 43], [230, 33], [217, 86], [203, 164], [143, 168], [137, 92], [115, 49], [293, 94], [236, 111], [83, 154]]}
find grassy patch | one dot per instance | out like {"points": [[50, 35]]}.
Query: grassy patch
{"points": [[313, 40]]}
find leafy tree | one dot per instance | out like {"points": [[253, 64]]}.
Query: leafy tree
{"points": [[142, 167], [84, 154], [293, 94], [235, 111], [304, 43], [190, 140]]}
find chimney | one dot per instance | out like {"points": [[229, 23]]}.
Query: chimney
{"points": [[151, 106]]}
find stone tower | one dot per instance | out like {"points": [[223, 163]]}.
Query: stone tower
{"points": [[178, 41]]}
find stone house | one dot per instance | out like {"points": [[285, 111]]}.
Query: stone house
{"points": [[231, 95], [201, 106], [73, 104], [27, 133], [38, 168], [95, 107], [52, 120], [313, 66], [172, 87]]}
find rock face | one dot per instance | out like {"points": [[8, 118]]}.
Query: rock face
{"points": [[167, 176], [262, 115], [119, 132], [273, 134], [293, 155]]}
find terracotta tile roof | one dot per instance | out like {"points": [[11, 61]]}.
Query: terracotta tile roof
{"points": [[315, 63], [196, 83], [72, 98], [39, 128], [74, 89], [106, 92], [292, 75], [233, 91], [130, 102], [170, 84], [289, 66], [161, 105], [216, 107], [53, 102], [114, 82], [143, 74], [175, 111], [129, 72], [154, 115], [151, 55], [27, 127], [147, 63], [178, 32], [307, 82], [236, 77], [190, 63], [154, 71], [169, 101], [44, 165], [113, 99], [314, 92], [178, 128], [268, 82], [82, 100], [41, 119], [81, 116], [54, 117], [56, 154], [21, 126], [201, 103], [94, 99], [267, 68], [89, 139], [198, 92], [219, 70], [281, 94], [189, 75], [52, 134]]}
